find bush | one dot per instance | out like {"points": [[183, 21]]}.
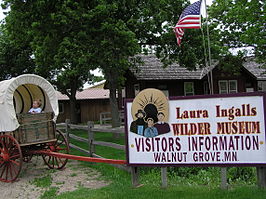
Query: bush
{"points": [[241, 174]]}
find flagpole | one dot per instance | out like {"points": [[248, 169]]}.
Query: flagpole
{"points": [[223, 169], [206, 60], [209, 49]]}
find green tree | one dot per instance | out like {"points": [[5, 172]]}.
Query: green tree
{"points": [[58, 33], [14, 59], [241, 23], [68, 38], [126, 28]]}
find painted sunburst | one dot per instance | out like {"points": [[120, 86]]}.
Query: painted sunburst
{"points": [[151, 101]]}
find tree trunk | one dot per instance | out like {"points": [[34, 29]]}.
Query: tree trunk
{"points": [[114, 107], [73, 102], [113, 100], [73, 111]]}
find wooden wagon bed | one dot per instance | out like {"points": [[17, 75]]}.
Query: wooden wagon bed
{"points": [[35, 128]]}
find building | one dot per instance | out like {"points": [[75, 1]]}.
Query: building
{"points": [[90, 103], [172, 80], [175, 80]]}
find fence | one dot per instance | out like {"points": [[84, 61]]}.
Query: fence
{"points": [[91, 141], [106, 117]]}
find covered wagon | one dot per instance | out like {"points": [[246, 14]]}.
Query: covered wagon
{"points": [[22, 134]]}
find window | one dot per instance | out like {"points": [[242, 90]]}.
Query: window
{"points": [[261, 85], [136, 89], [189, 88], [232, 86], [166, 92], [227, 86], [223, 87], [61, 107]]}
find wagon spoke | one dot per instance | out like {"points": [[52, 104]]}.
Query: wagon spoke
{"points": [[49, 159], [10, 144], [15, 169], [14, 156], [4, 146], [2, 164], [11, 166], [56, 160], [16, 163], [3, 171], [10, 171], [13, 148], [11, 175], [60, 159], [60, 145], [7, 171], [62, 141]]}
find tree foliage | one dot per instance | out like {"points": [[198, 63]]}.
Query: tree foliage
{"points": [[68, 38], [241, 23], [59, 36], [14, 59]]}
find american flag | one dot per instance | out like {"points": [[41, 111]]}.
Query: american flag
{"points": [[190, 18]]}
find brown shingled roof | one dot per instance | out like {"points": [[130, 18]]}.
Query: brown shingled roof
{"points": [[152, 69], [89, 93], [257, 69]]}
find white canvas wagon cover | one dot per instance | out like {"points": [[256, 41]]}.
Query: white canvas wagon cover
{"points": [[17, 95]]}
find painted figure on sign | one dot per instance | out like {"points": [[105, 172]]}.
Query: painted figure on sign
{"points": [[36, 107], [150, 131], [139, 124], [161, 125]]}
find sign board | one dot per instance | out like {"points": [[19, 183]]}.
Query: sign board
{"points": [[205, 130]]}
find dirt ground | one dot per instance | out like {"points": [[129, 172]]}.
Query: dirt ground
{"points": [[73, 176]]}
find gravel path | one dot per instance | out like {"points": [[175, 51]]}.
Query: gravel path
{"points": [[68, 179]]}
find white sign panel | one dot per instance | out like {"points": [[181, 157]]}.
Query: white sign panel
{"points": [[219, 130]]}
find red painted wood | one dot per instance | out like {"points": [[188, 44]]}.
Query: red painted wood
{"points": [[60, 145], [81, 158], [10, 158]]}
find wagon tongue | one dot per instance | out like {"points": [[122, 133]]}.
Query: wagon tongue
{"points": [[80, 158]]}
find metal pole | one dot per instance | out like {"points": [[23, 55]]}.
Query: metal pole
{"points": [[209, 47]]}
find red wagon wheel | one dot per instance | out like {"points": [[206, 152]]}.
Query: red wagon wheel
{"points": [[10, 158], [59, 146]]}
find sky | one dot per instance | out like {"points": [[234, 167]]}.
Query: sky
{"points": [[2, 16]]}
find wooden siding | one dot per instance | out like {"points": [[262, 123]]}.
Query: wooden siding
{"points": [[89, 110], [174, 87], [243, 77]]}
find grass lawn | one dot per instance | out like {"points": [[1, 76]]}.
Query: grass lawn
{"points": [[184, 183]]}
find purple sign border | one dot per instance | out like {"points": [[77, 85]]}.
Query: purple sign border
{"points": [[263, 94]]}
